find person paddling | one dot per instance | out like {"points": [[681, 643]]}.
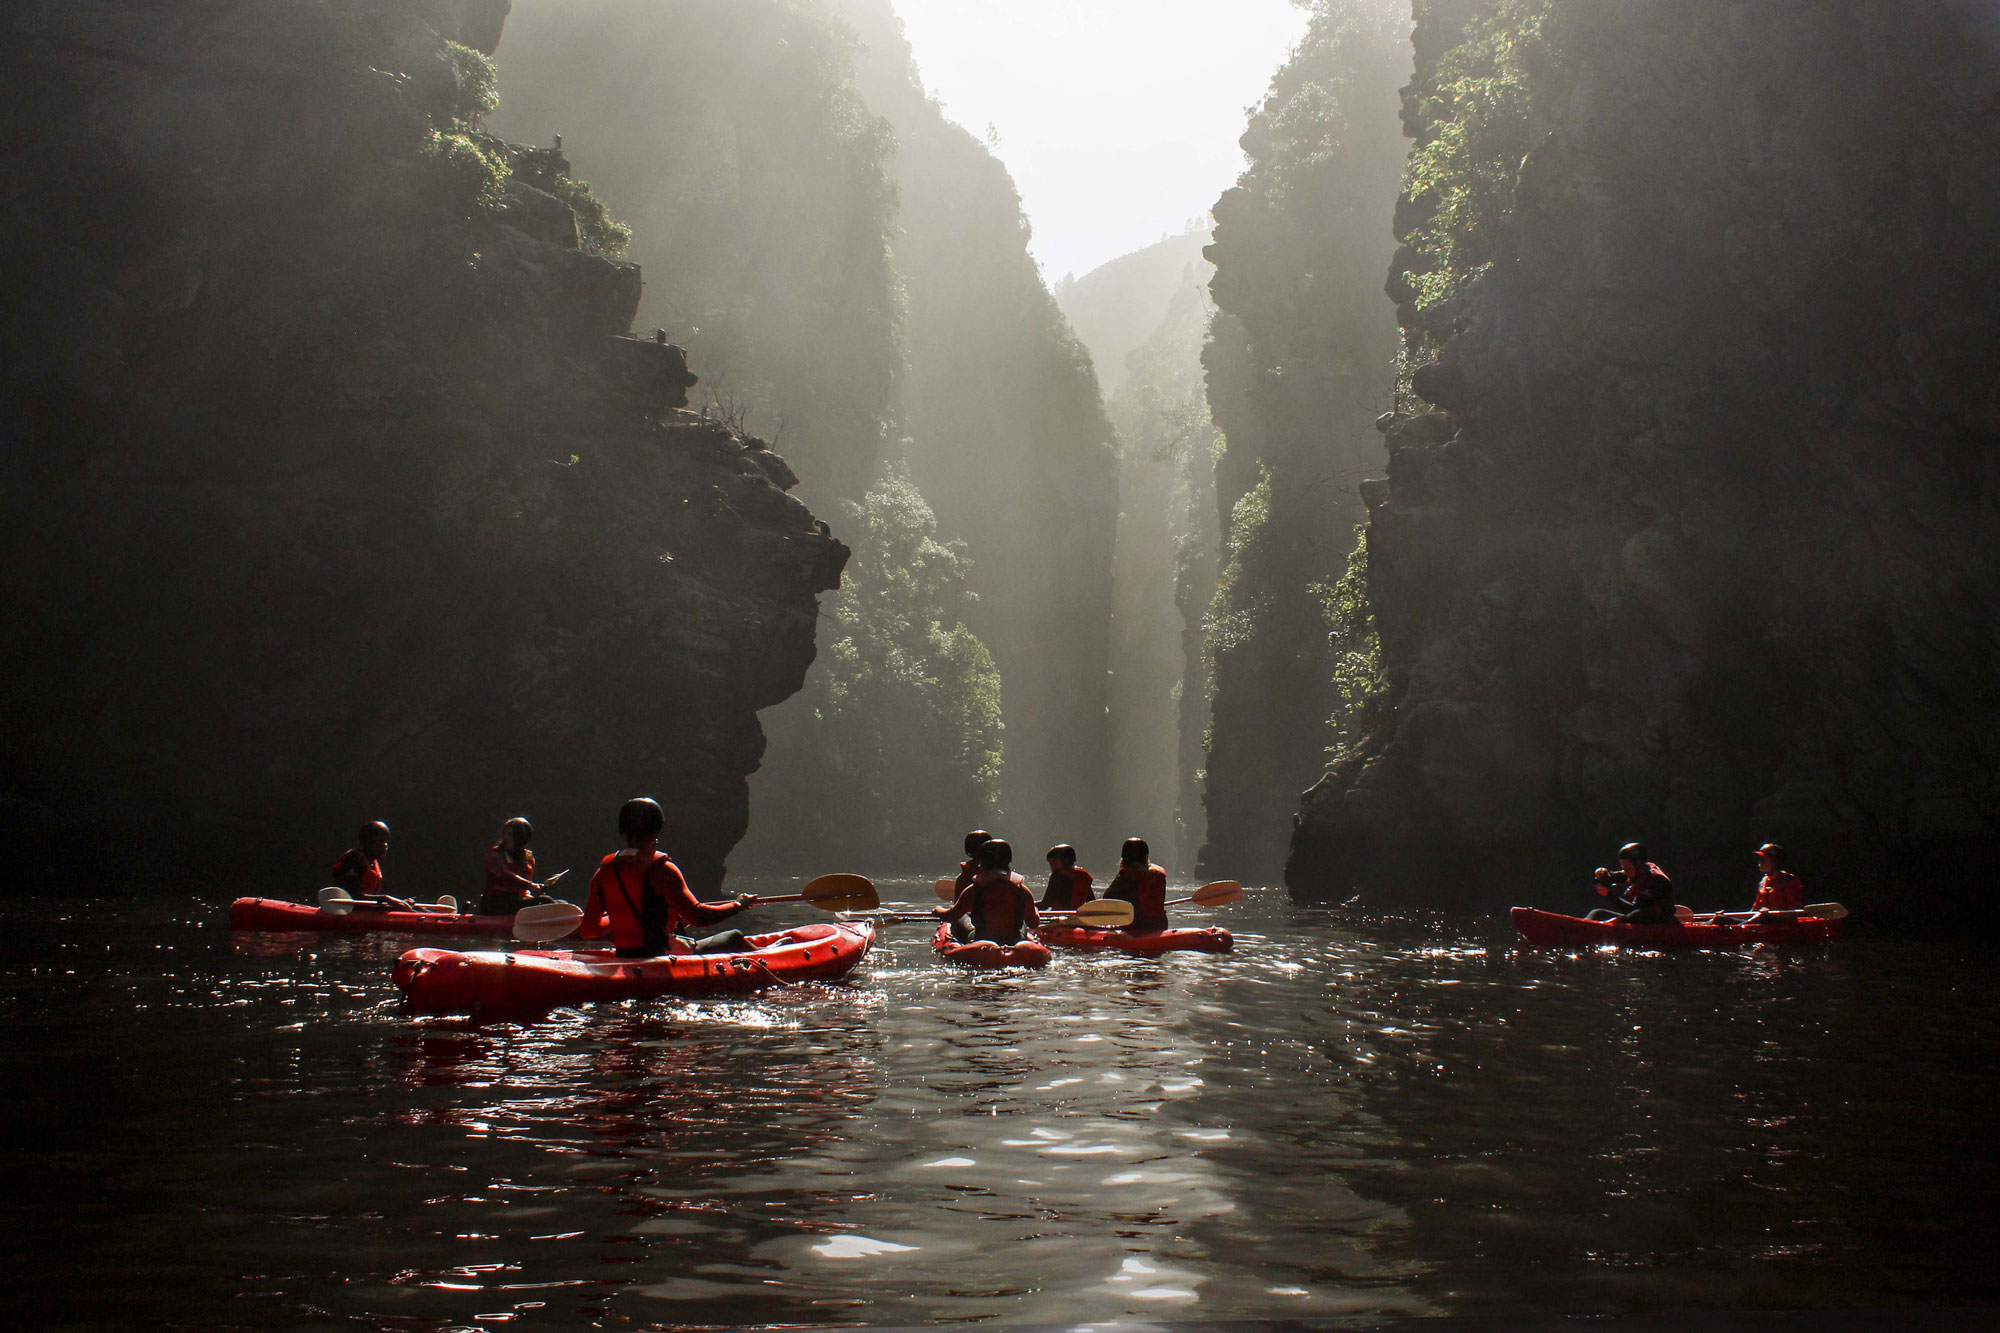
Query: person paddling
{"points": [[1643, 893], [1779, 890], [968, 869], [359, 870], [510, 872], [641, 899], [997, 905], [1142, 884], [1069, 883]]}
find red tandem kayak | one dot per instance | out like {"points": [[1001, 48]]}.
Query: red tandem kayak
{"points": [[1147, 944], [441, 981], [1029, 952], [277, 914], [1549, 928]]}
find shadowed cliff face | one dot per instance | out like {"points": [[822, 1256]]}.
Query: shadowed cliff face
{"points": [[1300, 361], [1700, 546], [332, 488]]}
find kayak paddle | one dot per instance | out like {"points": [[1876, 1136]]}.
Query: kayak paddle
{"points": [[1219, 894], [1819, 911], [835, 893], [549, 921], [947, 889], [339, 902], [1098, 913]]}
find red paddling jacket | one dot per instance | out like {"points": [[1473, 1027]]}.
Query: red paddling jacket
{"points": [[1068, 890], [1001, 906], [646, 903], [1146, 890]]}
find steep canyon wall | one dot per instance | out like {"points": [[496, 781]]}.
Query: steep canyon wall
{"points": [[1692, 536], [334, 487]]}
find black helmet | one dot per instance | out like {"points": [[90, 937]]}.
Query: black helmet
{"points": [[1774, 851], [1135, 852], [523, 831], [976, 839], [1063, 852], [372, 830], [1633, 851], [641, 817], [996, 854]]}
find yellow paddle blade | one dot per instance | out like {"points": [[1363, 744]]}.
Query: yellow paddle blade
{"points": [[947, 889], [1219, 894], [1104, 913], [550, 921], [842, 893], [1683, 912]]}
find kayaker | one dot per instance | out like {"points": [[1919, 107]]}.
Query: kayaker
{"points": [[969, 867], [1780, 890], [1641, 891], [1142, 884], [510, 871], [639, 897], [1069, 883], [997, 905], [359, 870]]}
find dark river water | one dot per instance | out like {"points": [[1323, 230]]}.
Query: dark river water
{"points": [[1351, 1115]]}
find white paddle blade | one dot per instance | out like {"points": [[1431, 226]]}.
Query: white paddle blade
{"points": [[336, 900], [447, 903], [1105, 913], [843, 893], [947, 889], [1826, 911], [1219, 894], [550, 921]]}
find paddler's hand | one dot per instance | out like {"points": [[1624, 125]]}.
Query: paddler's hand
{"points": [[746, 901]]}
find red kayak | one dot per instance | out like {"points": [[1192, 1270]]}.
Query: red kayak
{"points": [[1544, 929], [1147, 944], [1030, 952], [441, 981], [276, 914]]}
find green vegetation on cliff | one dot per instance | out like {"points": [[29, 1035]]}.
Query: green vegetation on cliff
{"points": [[1300, 362]]}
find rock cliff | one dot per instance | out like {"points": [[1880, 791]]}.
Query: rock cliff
{"points": [[1300, 362], [1697, 541], [335, 485]]}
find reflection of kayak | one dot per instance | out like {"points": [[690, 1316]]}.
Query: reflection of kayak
{"points": [[985, 953], [1150, 944], [1546, 928], [440, 981], [276, 914]]}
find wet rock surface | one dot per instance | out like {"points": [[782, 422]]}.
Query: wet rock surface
{"points": [[1702, 547], [335, 490]]}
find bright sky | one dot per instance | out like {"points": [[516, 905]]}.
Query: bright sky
{"points": [[1118, 118]]}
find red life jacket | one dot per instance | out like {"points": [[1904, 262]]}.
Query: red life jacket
{"points": [[619, 890], [1000, 906], [369, 873], [503, 863], [1146, 890], [1780, 891], [1068, 890]]}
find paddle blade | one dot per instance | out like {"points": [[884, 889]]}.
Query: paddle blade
{"points": [[1219, 894], [842, 893], [1683, 913], [336, 900], [550, 921], [447, 902], [553, 878], [947, 889], [1104, 913], [1825, 911]]}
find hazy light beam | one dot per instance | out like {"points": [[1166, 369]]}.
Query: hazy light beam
{"points": [[1118, 118]]}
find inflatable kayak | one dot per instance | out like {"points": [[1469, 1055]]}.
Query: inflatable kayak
{"points": [[1549, 928], [1030, 952], [276, 914], [1147, 944], [441, 981]]}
